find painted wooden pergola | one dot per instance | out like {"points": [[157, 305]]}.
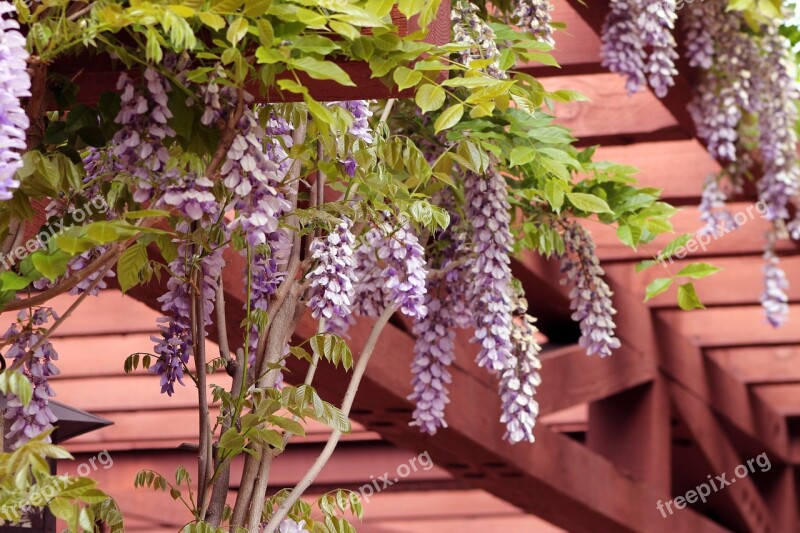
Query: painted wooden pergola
{"points": [[687, 396]]}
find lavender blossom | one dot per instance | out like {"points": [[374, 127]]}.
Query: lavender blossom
{"points": [[519, 380], [776, 87], [332, 280], [139, 145], [488, 213], [191, 194], [774, 299], [713, 213], [433, 353], [478, 37], [174, 346], [359, 129], [290, 526], [15, 83], [622, 48], [32, 419], [591, 296], [656, 22], [534, 17]]}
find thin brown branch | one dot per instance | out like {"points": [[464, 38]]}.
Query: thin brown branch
{"points": [[330, 446]]}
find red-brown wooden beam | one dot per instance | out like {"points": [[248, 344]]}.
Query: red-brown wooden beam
{"points": [[557, 478], [750, 510]]}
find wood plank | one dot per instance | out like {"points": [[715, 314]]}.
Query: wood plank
{"points": [[609, 111], [783, 397], [746, 240], [749, 506], [570, 377], [743, 273], [550, 483], [679, 168], [680, 359], [723, 327], [774, 364], [632, 429]]}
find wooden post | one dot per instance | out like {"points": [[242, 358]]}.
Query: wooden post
{"points": [[632, 430]]}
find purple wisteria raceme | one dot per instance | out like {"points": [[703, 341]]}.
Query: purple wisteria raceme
{"points": [[478, 38], [726, 54], [656, 22], [533, 16], [774, 299], [518, 382], [622, 47], [139, 145], [28, 421], [433, 354], [716, 217], [488, 213], [591, 297], [15, 83], [191, 194], [359, 129], [332, 280], [776, 86], [406, 270], [174, 345], [290, 526]]}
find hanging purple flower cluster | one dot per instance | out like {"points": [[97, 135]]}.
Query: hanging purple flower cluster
{"points": [[447, 309], [657, 21], [191, 195], [519, 380], [471, 31], [715, 42], [776, 87], [534, 17], [333, 278], [389, 267], [15, 83], [774, 299], [713, 213], [174, 346], [359, 129], [139, 145], [433, 354], [590, 295], [622, 49], [29, 421], [488, 213]]}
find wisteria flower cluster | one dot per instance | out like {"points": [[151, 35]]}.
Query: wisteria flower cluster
{"points": [[32, 419], [478, 38], [774, 299], [360, 129], [139, 145], [591, 297], [15, 83], [534, 17], [518, 382], [488, 213], [713, 212], [637, 42], [332, 281], [174, 345]]}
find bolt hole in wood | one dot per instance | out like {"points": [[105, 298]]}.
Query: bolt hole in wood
{"points": [[398, 411], [381, 423], [474, 475], [510, 475], [494, 465]]}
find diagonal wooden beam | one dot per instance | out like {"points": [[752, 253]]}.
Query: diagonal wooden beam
{"points": [[750, 509], [683, 360], [557, 478]]}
